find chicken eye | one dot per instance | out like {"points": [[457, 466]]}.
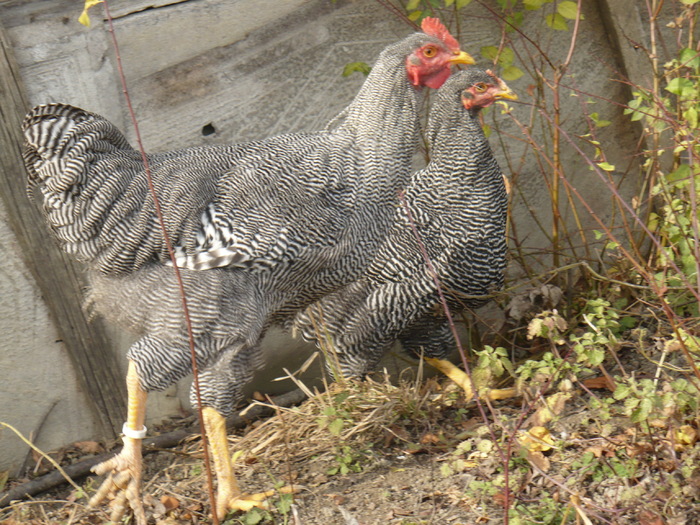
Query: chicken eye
{"points": [[430, 51], [480, 87]]}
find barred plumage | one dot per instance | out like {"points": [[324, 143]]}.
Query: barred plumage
{"points": [[458, 204], [281, 216], [260, 230]]}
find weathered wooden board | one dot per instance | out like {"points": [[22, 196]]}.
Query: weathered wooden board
{"points": [[55, 274]]}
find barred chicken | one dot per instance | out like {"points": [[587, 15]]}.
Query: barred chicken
{"points": [[260, 230], [458, 206]]}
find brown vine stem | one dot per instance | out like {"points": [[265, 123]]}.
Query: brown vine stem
{"points": [[171, 253], [460, 348]]}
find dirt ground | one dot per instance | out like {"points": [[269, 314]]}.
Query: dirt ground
{"points": [[418, 453]]}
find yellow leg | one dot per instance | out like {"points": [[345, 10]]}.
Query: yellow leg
{"points": [[462, 379], [126, 468], [228, 495]]}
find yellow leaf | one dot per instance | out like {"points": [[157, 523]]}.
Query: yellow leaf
{"points": [[537, 439], [686, 436], [553, 406], [84, 17]]}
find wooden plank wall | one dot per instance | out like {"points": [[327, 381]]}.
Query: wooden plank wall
{"points": [[56, 276]]}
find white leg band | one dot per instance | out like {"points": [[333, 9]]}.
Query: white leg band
{"points": [[134, 434]]}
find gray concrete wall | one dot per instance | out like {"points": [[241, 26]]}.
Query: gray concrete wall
{"points": [[250, 69]]}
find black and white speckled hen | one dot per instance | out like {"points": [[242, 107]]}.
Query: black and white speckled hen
{"points": [[261, 230], [459, 205]]}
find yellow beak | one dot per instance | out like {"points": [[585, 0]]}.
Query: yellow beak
{"points": [[505, 92], [462, 58]]}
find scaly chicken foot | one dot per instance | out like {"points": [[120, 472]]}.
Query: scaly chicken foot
{"points": [[124, 481], [462, 380], [229, 497], [125, 470]]}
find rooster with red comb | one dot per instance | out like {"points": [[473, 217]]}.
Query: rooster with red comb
{"points": [[261, 230]]}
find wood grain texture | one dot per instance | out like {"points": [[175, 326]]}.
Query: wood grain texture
{"points": [[58, 278]]}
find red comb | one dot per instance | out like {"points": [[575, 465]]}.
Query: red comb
{"points": [[433, 27]]}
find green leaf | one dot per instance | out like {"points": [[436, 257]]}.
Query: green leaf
{"points": [[689, 2], [511, 73], [641, 413], [606, 166], [489, 52], [600, 123], [556, 21], [568, 10], [681, 173], [691, 116], [507, 57], [360, 67], [622, 391], [514, 20], [341, 396], [633, 104], [463, 3], [596, 356], [415, 15], [336, 427], [412, 5], [689, 58], [683, 87], [637, 115], [531, 5], [448, 3], [252, 517]]}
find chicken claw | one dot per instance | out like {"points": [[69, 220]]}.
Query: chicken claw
{"points": [[462, 380], [226, 502], [124, 476], [228, 496]]}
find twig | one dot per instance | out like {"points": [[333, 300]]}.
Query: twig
{"points": [[171, 253], [64, 476], [453, 329], [33, 436]]}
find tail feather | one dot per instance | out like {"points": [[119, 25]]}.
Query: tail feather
{"points": [[65, 154], [58, 141]]}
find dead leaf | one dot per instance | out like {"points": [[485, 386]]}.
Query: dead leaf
{"points": [[394, 432], [596, 450], [684, 437], [429, 439], [336, 498], [89, 447], [169, 502], [554, 406], [647, 517], [191, 510], [539, 460], [533, 301], [500, 499], [638, 449], [600, 382]]}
